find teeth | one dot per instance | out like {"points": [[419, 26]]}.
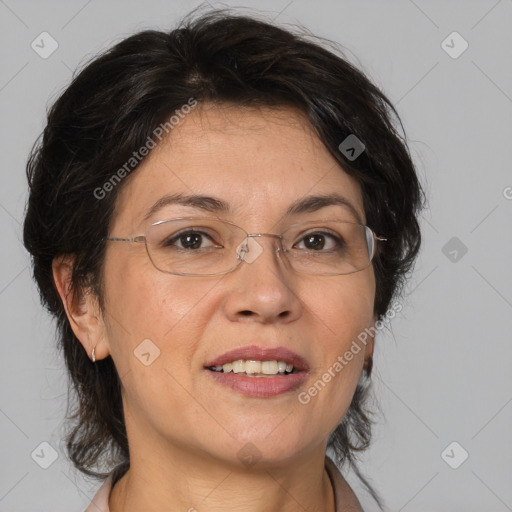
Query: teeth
{"points": [[238, 366], [269, 367], [252, 367]]}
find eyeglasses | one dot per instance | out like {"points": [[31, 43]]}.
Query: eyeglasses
{"points": [[202, 246]]}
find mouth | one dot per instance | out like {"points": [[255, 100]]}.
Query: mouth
{"points": [[259, 372], [254, 368], [254, 360]]}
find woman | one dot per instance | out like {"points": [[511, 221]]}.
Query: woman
{"points": [[220, 218]]}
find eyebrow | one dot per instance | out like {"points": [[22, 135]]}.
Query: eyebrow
{"points": [[211, 204], [314, 203], [206, 203]]}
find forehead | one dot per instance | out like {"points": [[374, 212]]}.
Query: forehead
{"points": [[259, 161]]}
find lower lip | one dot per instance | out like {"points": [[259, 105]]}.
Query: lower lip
{"points": [[260, 387]]}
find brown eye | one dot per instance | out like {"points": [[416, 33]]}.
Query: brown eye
{"points": [[319, 242], [314, 242], [190, 240]]}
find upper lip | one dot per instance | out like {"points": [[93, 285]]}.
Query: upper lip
{"points": [[255, 353]]}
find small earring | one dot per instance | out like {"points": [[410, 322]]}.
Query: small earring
{"points": [[93, 356]]}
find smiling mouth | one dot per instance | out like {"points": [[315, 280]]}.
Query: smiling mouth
{"points": [[254, 368]]}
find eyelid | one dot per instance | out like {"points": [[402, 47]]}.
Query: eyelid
{"points": [[317, 225], [312, 231], [321, 226]]}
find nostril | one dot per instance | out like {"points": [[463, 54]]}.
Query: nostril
{"points": [[246, 312]]}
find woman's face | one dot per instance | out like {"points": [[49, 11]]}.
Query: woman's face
{"points": [[259, 163]]}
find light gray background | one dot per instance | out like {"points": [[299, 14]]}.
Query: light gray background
{"points": [[443, 373]]}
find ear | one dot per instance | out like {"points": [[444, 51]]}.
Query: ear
{"points": [[82, 309]]}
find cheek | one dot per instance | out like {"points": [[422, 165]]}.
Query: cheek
{"points": [[342, 305], [341, 309], [143, 303], [172, 312], [146, 300]]}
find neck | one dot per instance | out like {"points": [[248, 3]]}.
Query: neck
{"points": [[196, 482]]}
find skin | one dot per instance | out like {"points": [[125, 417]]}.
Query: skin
{"points": [[185, 429]]}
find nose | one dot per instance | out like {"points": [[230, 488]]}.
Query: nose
{"points": [[262, 288]]}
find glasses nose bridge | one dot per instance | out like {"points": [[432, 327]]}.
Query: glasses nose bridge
{"points": [[270, 235], [249, 250]]}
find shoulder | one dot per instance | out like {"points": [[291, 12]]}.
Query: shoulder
{"points": [[343, 493]]}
